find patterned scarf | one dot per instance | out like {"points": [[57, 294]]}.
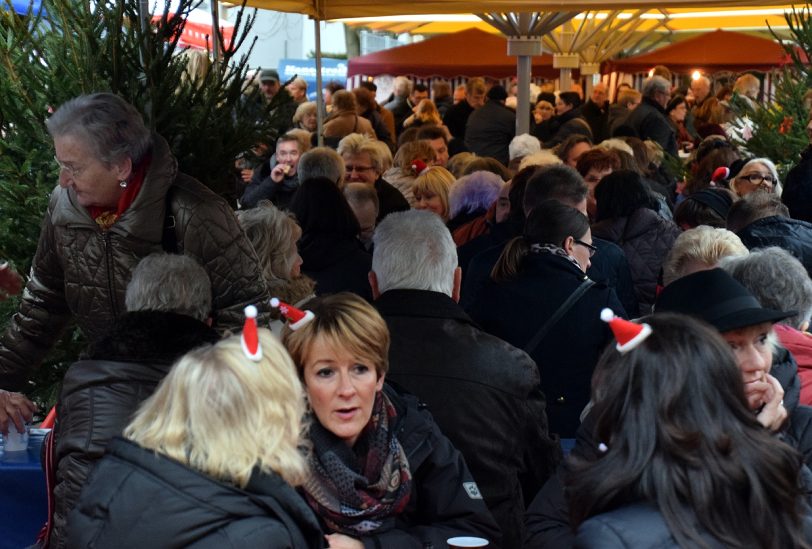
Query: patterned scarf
{"points": [[554, 250], [361, 489], [105, 218]]}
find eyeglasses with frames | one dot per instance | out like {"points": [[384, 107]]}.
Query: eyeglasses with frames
{"points": [[758, 179], [592, 249], [70, 170], [358, 169]]}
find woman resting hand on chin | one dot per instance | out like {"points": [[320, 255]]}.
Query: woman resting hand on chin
{"points": [[382, 474]]}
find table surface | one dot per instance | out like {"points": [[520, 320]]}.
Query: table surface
{"points": [[23, 497]]}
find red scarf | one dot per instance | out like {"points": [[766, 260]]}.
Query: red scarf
{"points": [[104, 217]]}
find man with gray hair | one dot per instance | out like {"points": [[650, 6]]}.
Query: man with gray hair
{"points": [[483, 392], [322, 162], [649, 120], [169, 300]]}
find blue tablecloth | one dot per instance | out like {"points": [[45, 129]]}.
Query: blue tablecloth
{"points": [[23, 499]]}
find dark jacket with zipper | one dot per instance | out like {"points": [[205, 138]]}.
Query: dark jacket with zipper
{"points": [[100, 394], [137, 498], [484, 394], [515, 310], [445, 501], [80, 272], [793, 235]]}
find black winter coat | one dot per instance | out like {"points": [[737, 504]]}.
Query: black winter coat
{"points": [[483, 393], [633, 526], [100, 393], [137, 498], [565, 125], [336, 263], [445, 500], [456, 119], [262, 187], [489, 131], [649, 120], [566, 356], [597, 116], [797, 193], [646, 239], [793, 235], [609, 266]]}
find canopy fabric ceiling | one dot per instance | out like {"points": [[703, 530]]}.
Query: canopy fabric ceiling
{"points": [[338, 9], [471, 52], [709, 52]]}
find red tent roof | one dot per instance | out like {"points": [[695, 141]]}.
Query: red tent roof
{"points": [[710, 52], [471, 52]]}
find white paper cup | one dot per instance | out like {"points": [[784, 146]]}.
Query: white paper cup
{"points": [[15, 441], [466, 541]]}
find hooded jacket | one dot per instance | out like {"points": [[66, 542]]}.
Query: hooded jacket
{"points": [[138, 498], [81, 272], [793, 235], [100, 394]]}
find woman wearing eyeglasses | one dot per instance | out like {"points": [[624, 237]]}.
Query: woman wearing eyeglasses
{"points": [[626, 214], [535, 276], [759, 174]]}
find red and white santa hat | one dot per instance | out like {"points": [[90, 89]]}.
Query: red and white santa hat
{"points": [[250, 336], [628, 334], [296, 317]]}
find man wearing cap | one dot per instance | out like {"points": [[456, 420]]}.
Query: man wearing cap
{"points": [[269, 82], [271, 88], [490, 129]]}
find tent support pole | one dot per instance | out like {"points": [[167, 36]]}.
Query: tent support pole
{"points": [[566, 80], [320, 109], [523, 68]]}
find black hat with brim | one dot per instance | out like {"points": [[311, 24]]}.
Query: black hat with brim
{"points": [[717, 298]]}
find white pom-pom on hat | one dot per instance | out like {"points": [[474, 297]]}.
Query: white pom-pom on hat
{"points": [[628, 334]]}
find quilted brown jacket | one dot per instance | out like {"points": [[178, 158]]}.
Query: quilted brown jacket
{"points": [[80, 272]]}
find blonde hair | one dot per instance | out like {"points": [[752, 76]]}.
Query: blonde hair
{"points": [[627, 96], [427, 113], [544, 157], [356, 143], [435, 180], [345, 321], [414, 150], [271, 233], [702, 244], [458, 163], [304, 109], [747, 85], [222, 414]]}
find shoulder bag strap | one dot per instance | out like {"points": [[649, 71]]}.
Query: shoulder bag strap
{"points": [[561, 311]]}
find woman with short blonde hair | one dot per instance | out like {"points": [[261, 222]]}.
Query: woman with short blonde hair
{"points": [[381, 472], [206, 457], [431, 190], [699, 249]]}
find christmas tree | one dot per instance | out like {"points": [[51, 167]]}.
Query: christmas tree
{"points": [[776, 129]]}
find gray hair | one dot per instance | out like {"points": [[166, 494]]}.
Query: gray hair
{"points": [[654, 84], [111, 127], [413, 250], [321, 162], [777, 279], [170, 283], [770, 165], [523, 145]]}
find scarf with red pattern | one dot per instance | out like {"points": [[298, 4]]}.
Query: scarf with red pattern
{"points": [[361, 489], [105, 217]]}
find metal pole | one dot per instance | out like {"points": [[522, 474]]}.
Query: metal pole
{"points": [[566, 80], [523, 68], [320, 110]]}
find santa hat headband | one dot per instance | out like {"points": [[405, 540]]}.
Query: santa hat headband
{"points": [[250, 336], [418, 166], [296, 317], [628, 334]]}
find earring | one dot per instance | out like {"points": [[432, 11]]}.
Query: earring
{"points": [[123, 183]]}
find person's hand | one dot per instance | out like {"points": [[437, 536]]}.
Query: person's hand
{"points": [[340, 541], [772, 414], [247, 175], [15, 410], [10, 282], [279, 172]]}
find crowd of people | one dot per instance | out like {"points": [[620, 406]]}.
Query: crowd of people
{"points": [[450, 303]]}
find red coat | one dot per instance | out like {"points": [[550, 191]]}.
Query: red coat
{"points": [[800, 345]]}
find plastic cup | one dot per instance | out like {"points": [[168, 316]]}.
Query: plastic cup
{"points": [[15, 441], [461, 542]]}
